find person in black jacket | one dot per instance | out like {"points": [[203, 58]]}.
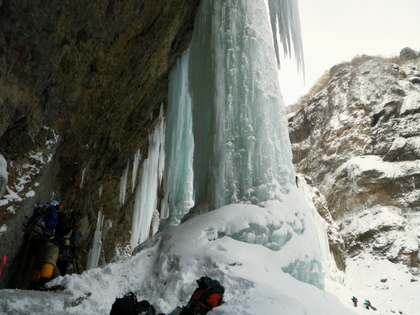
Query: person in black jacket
{"points": [[50, 230]]}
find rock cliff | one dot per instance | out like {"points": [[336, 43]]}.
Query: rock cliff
{"points": [[81, 87], [357, 138]]}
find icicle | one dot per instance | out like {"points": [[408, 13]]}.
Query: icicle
{"points": [[123, 184], [146, 192], [137, 158], [3, 175], [179, 146], [285, 24], [83, 177], [155, 222], [95, 249]]}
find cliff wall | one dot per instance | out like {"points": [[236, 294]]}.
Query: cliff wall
{"points": [[357, 139], [81, 87]]}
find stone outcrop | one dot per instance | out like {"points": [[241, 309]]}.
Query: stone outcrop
{"points": [[358, 139], [81, 87]]}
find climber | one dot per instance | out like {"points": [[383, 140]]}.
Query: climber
{"points": [[354, 299], [367, 304], [48, 230]]}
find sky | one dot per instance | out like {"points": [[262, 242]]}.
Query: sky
{"points": [[334, 31]]}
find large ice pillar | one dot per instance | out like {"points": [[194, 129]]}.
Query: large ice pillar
{"points": [[242, 148], [179, 146]]}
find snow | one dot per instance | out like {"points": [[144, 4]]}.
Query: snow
{"points": [[164, 269], [360, 164], [389, 287], [3, 228], [411, 103], [23, 185]]}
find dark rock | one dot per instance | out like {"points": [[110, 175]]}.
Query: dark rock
{"points": [[96, 74]]}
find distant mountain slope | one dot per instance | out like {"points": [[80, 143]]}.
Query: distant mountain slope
{"points": [[358, 139]]}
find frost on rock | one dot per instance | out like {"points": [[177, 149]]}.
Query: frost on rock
{"points": [[23, 185]]}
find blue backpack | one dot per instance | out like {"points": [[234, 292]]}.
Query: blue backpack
{"points": [[51, 217]]}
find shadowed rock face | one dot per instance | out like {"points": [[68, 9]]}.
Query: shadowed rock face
{"points": [[358, 139], [81, 86]]}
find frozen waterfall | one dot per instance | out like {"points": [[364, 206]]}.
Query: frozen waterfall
{"points": [[227, 139], [242, 151]]}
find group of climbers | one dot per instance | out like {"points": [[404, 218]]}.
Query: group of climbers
{"points": [[366, 304]]}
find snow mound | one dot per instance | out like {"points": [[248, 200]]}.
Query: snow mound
{"points": [[165, 268]]}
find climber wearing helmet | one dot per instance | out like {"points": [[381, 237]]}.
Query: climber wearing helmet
{"points": [[49, 230]]}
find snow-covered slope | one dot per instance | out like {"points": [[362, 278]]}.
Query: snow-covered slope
{"points": [[166, 266]]}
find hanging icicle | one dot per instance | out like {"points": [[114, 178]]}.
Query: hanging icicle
{"points": [[285, 24]]}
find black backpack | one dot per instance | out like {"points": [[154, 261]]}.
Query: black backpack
{"points": [[198, 303], [128, 305]]}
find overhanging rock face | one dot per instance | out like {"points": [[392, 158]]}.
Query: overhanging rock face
{"points": [[81, 86]]}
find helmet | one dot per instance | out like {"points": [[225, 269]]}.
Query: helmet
{"points": [[56, 204]]}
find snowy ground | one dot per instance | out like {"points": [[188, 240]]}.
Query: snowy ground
{"points": [[166, 267], [389, 287]]}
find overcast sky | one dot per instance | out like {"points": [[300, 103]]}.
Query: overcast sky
{"points": [[334, 31]]}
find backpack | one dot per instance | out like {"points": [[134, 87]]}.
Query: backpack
{"points": [[47, 222], [128, 305], [51, 217], [208, 295]]}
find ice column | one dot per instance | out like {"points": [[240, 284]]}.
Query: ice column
{"points": [[123, 184], [95, 249], [146, 198], [3, 175], [242, 147], [137, 158], [179, 146]]}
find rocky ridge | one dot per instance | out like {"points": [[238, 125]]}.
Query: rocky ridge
{"points": [[357, 139]]}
